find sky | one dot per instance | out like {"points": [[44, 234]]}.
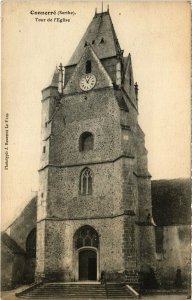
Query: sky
{"points": [[157, 34]]}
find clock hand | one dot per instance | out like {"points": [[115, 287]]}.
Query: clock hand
{"points": [[88, 79]]}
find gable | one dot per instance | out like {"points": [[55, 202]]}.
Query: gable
{"points": [[128, 79], [97, 69]]}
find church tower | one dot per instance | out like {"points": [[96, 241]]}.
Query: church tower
{"points": [[94, 202]]}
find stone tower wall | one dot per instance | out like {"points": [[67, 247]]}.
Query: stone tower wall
{"points": [[120, 201], [61, 261]]}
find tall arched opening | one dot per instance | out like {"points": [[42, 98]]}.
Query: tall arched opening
{"points": [[86, 244], [29, 274]]}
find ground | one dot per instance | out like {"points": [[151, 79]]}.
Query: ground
{"points": [[10, 295], [164, 297]]}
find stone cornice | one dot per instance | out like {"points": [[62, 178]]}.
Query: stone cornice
{"points": [[125, 213], [148, 175], [86, 163], [48, 87]]}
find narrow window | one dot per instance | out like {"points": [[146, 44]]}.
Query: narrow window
{"points": [[86, 141], [102, 41], [44, 149], [85, 44], [86, 182], [88, 67], [130, 81], [93, 42]]}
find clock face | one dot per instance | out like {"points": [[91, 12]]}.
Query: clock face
{"points": [[87, 82]]}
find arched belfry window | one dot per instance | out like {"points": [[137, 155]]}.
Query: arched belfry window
{"points": [[31, 244], [86, 182], [88, 67], [86, 236], [86, 141]]}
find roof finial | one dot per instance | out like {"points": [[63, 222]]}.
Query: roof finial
{"points": [[107, 7], [136, 90], [60, 66], [102, 6], [60, 82], [95, 11]]}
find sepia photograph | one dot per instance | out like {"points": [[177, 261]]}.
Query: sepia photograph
{"points": [[96, 188]]}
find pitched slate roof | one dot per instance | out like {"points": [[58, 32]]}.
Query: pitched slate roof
{"points": [[102, 37], [55, 78], [11, 244], [26, 212], [171, 201]]}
